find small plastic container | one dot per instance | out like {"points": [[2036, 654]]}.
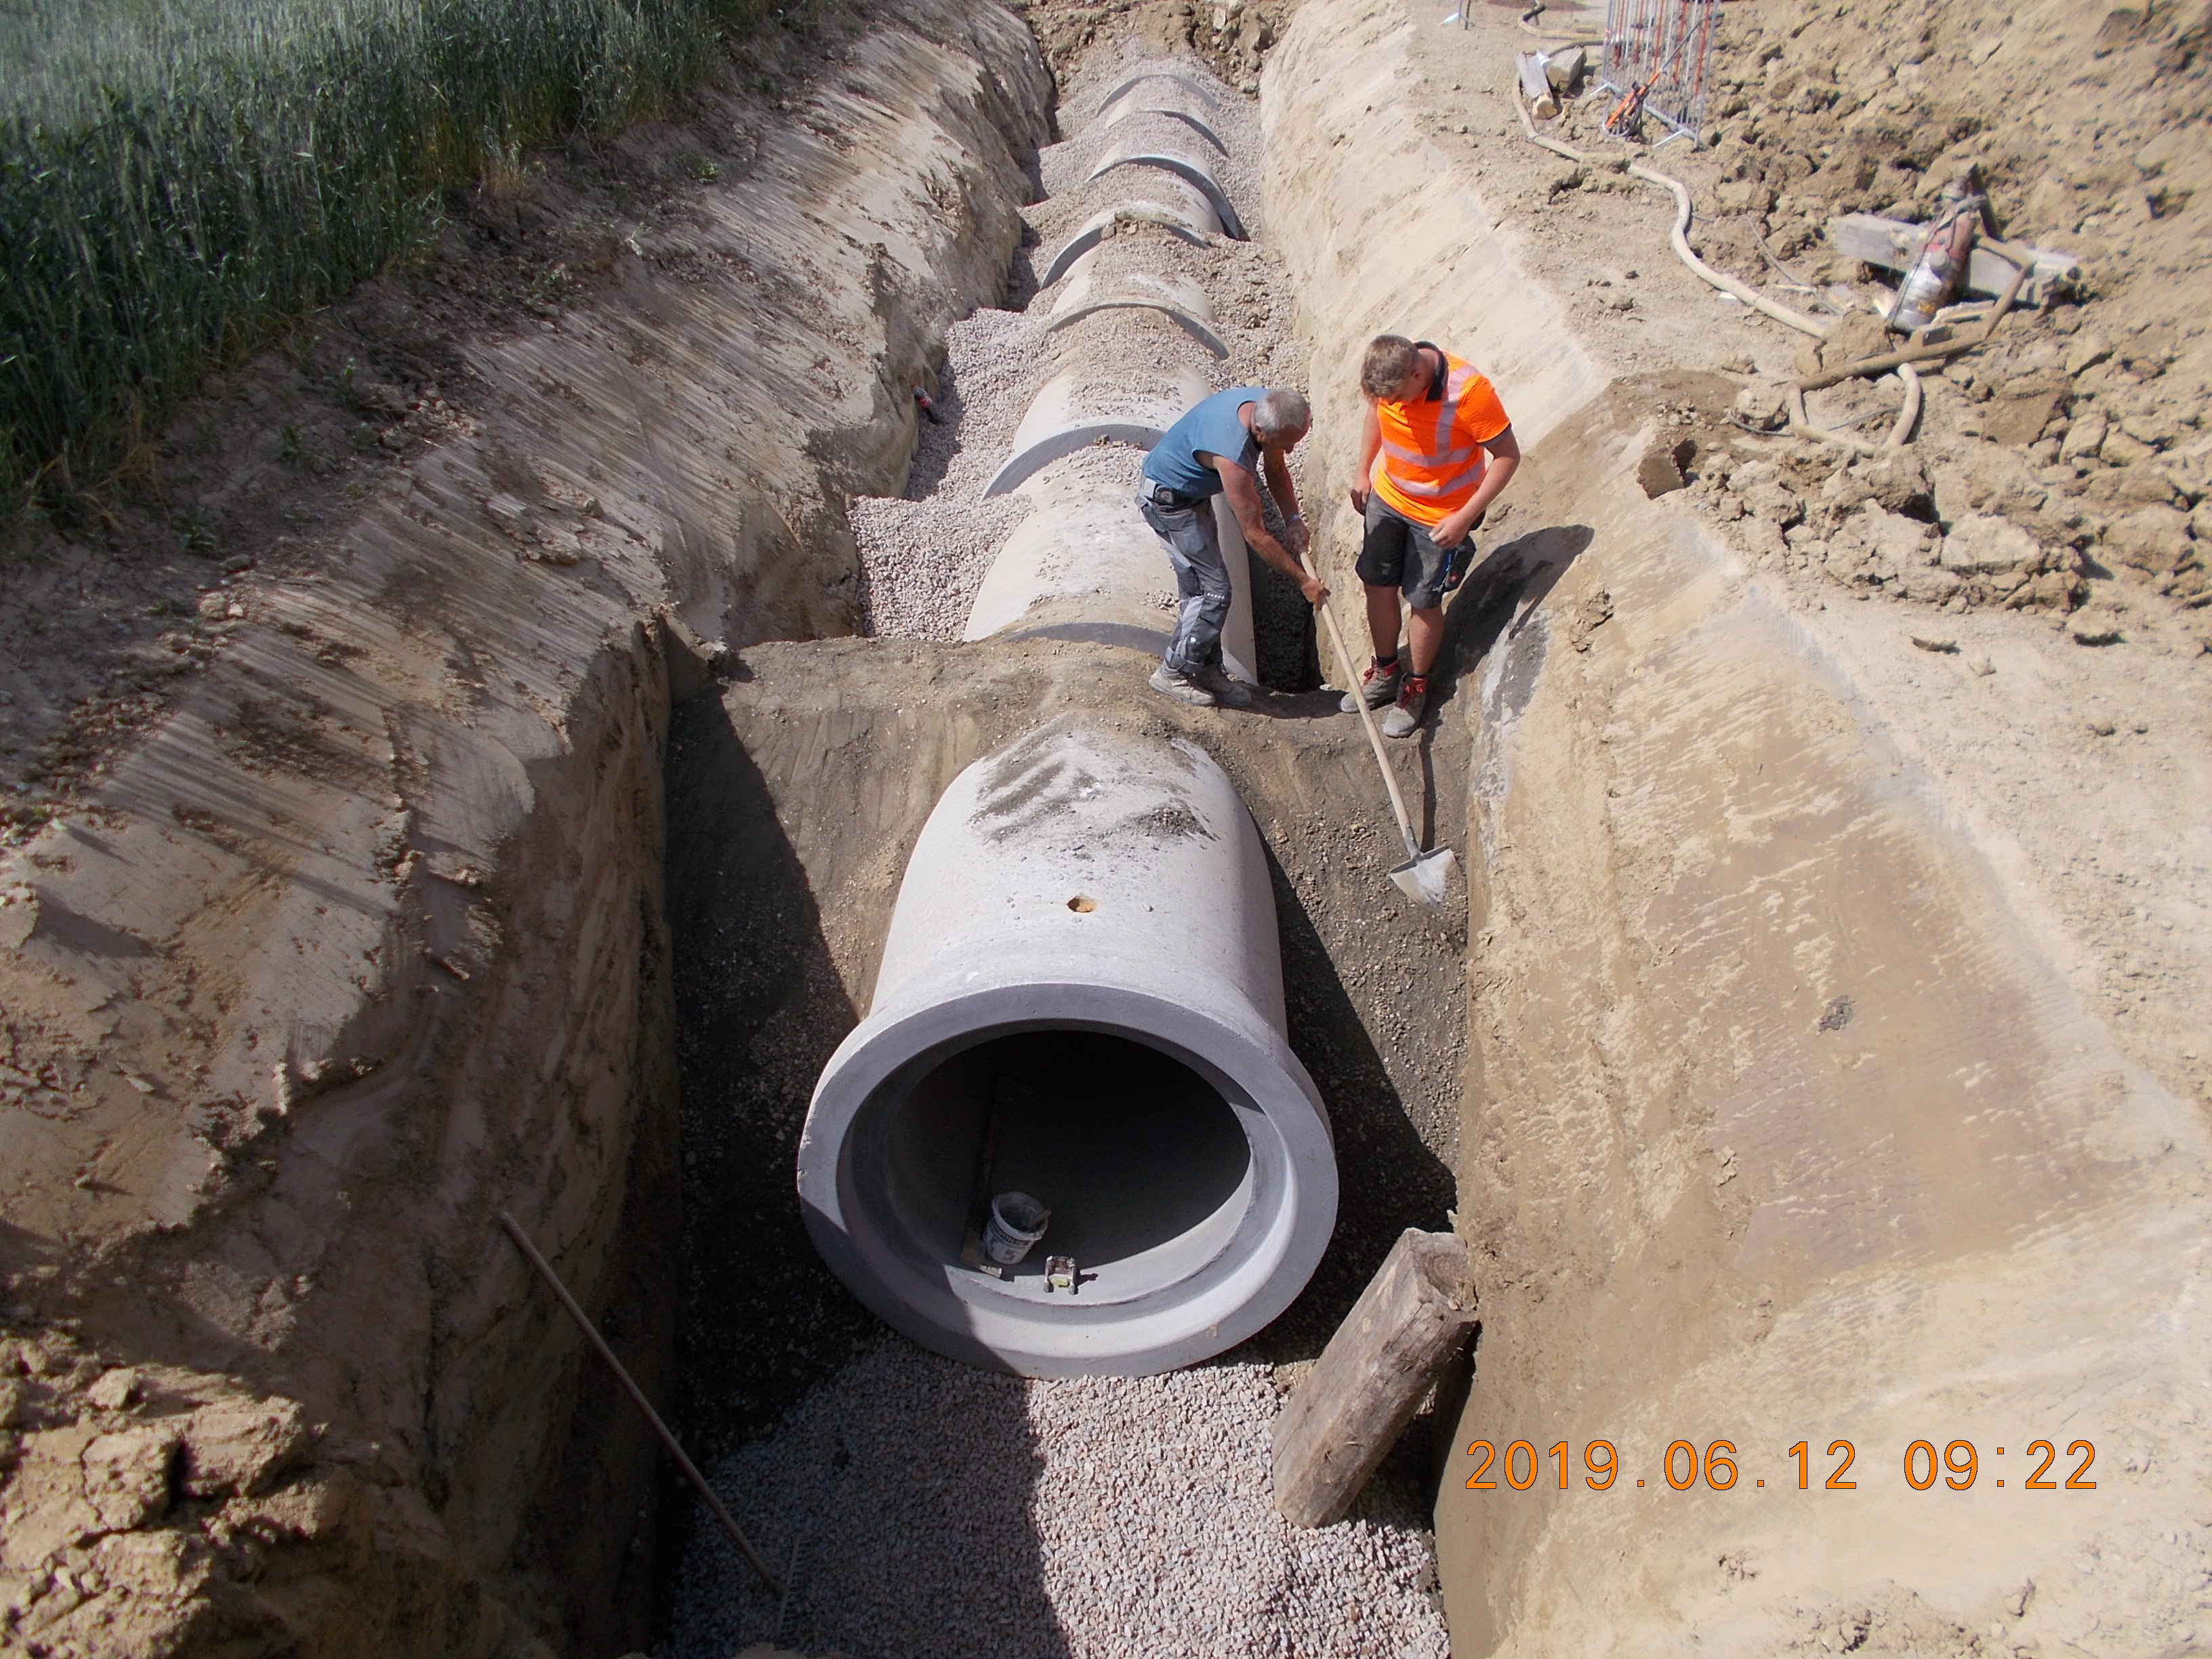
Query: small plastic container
{"points": [[1017, 1221]]}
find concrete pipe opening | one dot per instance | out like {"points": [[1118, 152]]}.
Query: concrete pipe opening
{"points": [[1080, 999]]}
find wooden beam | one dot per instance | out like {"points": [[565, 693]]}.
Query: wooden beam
{"points": [[1895, 245], [1341, 1422]]}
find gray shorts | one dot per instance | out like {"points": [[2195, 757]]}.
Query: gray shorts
{"points": [[1395, 552]]}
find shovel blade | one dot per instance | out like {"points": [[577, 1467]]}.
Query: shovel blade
{"points": [[1424, 880]]}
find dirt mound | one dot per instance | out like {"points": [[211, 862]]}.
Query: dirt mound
{"points": [[1232, 36], [2082, 427]]}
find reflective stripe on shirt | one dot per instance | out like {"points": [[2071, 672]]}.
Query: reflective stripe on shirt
{"points": [[1436, 460]]}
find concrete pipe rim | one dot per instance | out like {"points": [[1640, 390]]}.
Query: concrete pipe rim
{"points": [[1257, 1265]]}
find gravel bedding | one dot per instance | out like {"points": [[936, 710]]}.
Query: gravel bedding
{"points": [[1107, 344], [1077, 198], [921, 562], [1156, 254], [1064, 167], [918, 1507], [923, 556], [1100, 465]]}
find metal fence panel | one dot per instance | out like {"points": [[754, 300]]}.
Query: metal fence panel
{"points": [[1656, 52]]}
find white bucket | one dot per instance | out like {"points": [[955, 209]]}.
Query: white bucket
{"points": [[1017, 1221]]}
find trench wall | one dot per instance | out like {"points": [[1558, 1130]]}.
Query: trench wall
{"points": [[1777, 1127], [365, 942]]}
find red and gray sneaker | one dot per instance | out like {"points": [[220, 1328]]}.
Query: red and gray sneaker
{"points": [[1413, 699], [1378, 686]]}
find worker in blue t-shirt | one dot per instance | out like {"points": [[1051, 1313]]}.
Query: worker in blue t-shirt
{"points": [[1218, 448]]}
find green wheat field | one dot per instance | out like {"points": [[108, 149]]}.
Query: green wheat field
{"points": [[179, 178]]}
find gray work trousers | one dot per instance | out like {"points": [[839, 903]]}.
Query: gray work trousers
{"points": [[1193, 544]]}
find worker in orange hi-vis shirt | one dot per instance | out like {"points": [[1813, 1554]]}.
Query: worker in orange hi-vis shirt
{"points": [[1436, 451]]}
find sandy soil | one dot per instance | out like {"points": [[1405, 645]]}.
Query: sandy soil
{"points": [[2084, 769]]}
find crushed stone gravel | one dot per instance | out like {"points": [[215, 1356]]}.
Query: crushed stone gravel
{"points": [[918, 1507], [922, 556]]}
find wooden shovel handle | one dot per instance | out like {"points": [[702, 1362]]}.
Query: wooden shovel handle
{"points": [[1366, 715]]}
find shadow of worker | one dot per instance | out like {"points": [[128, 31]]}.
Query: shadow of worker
{"points": [[1501, 593], [1496, 600]]}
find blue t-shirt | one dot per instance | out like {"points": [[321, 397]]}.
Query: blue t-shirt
{"points": [[1211, 426]]}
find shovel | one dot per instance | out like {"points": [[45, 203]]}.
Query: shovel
{"points": [[1423, 876]]}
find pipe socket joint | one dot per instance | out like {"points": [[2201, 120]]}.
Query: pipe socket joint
{"points": [[1080, 998]]}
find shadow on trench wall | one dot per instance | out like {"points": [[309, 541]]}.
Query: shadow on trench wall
{"points": [[759, 1008], [1512, 581], [1387, 1179]]}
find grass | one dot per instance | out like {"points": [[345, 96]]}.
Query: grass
{"points": [[179, 179]]}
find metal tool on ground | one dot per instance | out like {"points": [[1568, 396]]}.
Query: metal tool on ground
{"points": [[599, 1344], [1940, 269], [1897, 245], [1424, 876]]}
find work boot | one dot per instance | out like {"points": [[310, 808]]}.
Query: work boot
{"points": [[1170, 684], [1378, 685], [1228, 691], [1413, 699]]}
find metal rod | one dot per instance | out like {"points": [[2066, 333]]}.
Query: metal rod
{"points": [[690, 1469]]}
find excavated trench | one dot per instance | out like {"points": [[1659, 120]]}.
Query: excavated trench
{"points": [[1738, 994], [1097, 980], [1763, 1116]]}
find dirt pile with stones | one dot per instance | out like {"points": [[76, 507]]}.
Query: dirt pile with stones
{"points": [[2073, 450]]}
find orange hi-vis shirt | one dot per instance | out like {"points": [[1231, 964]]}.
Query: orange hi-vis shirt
{"points": [[1432, 459]]}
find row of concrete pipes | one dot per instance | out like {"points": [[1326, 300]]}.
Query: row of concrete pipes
{"points": [[1077, 1026]]}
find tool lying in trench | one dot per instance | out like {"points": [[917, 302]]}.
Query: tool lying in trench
{"points": [[545, 1269], [1423, 877]]}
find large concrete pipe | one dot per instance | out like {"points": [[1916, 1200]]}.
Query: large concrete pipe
{"points": [[1129, 111], [1149, 79], [1194, 167], [1091, 288], [1078, 407], [1086, 566], [1080, 998], [1173, 207]]}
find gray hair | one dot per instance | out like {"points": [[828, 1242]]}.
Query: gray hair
{"points": [[1279, 413]]}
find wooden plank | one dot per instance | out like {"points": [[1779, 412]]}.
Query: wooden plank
{"points": [[1896, 244], [1339, 1424]]}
